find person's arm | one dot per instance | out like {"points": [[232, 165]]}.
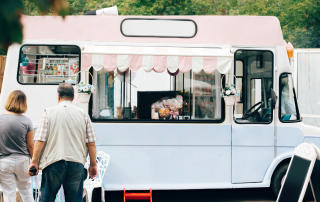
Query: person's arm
{"points": [[40, 139], [93, 156], [90, 140], [30, 143], [36, 154]]}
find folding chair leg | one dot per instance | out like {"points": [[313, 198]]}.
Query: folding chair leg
{"points": [[89, 194], [313, 194], [103, 195]]}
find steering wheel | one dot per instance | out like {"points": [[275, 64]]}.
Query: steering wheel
{"points": [[248, 114]]}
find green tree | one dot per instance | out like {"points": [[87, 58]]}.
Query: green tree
{"points": [[146, 7], [3, 51], [10, 14], [300, 20], [164, 7]]}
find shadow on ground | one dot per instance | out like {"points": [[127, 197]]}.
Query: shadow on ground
{"points": [[221, 195]]}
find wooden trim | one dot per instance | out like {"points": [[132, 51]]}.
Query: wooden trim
{"points": [[3, 59]]}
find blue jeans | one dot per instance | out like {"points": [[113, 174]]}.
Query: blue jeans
{"points": [[69, 175]]}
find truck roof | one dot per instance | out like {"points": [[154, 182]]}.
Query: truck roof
{"points": [[221, 30]]}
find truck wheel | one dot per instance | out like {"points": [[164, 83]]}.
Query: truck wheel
{"points": [[277, 178]]}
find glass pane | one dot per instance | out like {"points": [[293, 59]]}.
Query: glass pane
{"points": [[239, 110], [48, 64], [107, 102], [239, 68], [287, 99], [183, 86], [254, 70], [239, 87], [309, 83], [206, 100], [255, 91], [156, 96]]}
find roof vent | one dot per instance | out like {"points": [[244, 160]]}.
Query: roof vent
{"points": [[111, 11]]}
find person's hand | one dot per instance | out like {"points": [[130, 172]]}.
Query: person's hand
{"points": [[33, 165], [93, 171]]}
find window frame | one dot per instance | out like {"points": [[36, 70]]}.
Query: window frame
{"points": [[223, 116], [44, 54], [242, 78], [295, 101], [156, 36], [234, 61]]}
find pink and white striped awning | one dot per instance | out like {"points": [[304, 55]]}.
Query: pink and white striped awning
{"points": [[157, 58]]}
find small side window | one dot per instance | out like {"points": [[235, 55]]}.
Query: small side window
{"points": [[288, 102], [48, 64]]}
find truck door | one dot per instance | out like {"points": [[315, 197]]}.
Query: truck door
{"points": [[253, 127]]}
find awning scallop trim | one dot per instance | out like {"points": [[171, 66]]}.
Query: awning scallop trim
{"points": [[156, 58]]}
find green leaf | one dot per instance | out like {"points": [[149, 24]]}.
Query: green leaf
{"points": [[10, 13]]}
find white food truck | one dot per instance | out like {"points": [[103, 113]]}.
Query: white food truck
{"points": [[139, 61]]}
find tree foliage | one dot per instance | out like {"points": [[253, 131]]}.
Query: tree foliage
{"points": [[3, 51], [164, 7], [300, 19], [10, 14]]}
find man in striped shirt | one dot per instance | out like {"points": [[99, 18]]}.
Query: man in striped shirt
{"points": [[63, 139]]}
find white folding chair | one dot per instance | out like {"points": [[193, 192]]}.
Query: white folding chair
{"points": [[36, 185], [1, 194], [90, 184], [60, 195], [298, 174]]}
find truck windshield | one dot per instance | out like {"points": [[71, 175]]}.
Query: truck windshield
{"points": [[288, 102], [254, 77]]}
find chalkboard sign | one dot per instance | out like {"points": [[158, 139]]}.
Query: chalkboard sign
{"points": [[298, 174], [295, 179]]}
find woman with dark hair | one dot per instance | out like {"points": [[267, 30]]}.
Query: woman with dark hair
{"points": [[16, 148]]}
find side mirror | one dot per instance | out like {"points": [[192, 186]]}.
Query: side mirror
{"points": [[274, 98]]}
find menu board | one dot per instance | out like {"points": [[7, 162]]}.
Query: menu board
{"points": [[57, 70], [74, 68]]}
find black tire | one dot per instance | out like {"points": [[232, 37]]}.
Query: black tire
{"points": [[277, 178]]}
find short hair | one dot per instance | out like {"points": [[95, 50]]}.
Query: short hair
{"points": [[66, 91], [16, 102]]}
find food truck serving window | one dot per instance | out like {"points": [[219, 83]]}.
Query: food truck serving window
{"points": [[156, 97], [48, 64]]}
